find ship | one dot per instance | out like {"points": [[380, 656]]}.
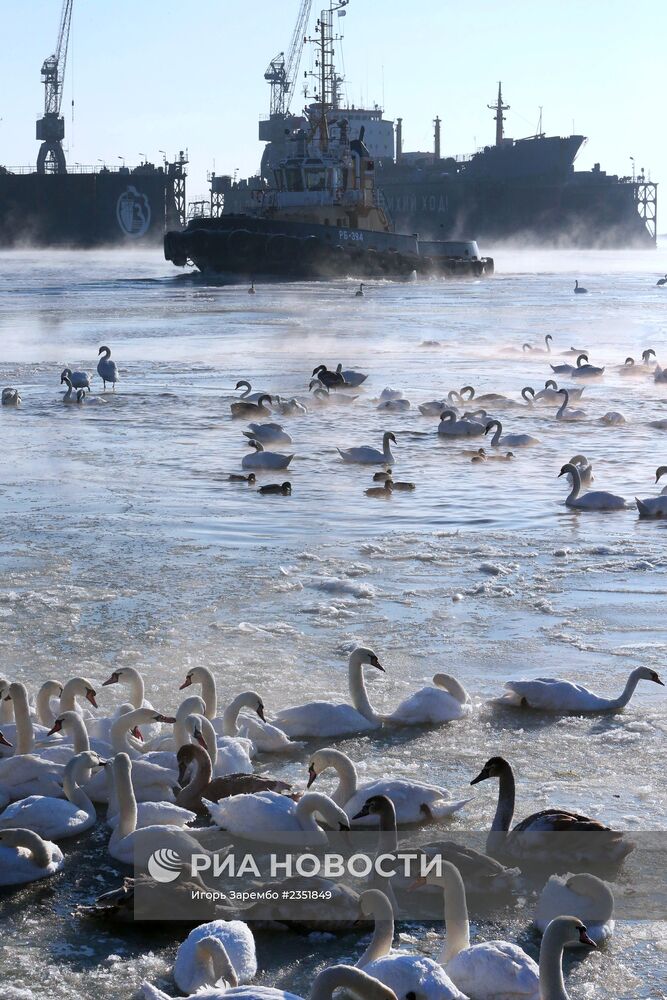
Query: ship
{"points": [[53, 203], [526, 190], [321, 214]]}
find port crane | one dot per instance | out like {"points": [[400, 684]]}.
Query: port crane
{"points": [[50, 129], [282, 70]]}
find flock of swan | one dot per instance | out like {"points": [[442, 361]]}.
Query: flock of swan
{"points": [[67, 765]]}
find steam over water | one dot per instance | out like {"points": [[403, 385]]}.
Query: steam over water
{"points": [[122, 542]]}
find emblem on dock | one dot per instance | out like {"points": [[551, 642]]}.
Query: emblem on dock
{"points": [[133, 212]]}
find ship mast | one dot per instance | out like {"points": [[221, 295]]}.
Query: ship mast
{"points": [[328, 82], [499, 107]]}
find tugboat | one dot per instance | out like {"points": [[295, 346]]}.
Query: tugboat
{"points": [[322, 216]]}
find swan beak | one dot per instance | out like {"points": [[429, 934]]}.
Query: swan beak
{"points": [[112, 680], [136, 732], [102, 763], [482, 776], [312, 775], [57, 726], [417, 883], [90, 696], [376, 663], [4, 742], [186, 683], [584, 938], [658, 681], [202, 743], [260, 712], [165, 718], [364, 811]]}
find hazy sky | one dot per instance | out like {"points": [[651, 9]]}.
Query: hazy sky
{"points": [[160, 74]]}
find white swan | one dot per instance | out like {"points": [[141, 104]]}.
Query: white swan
{"points": [[76, 740], [414, 801], [264, 737], [211, 966], [586, 370], [551, 695], [654, 507], [540, 350], [449, 426], [551, 393], [352, 377], [11, 397], [268, 434], [22, 731], [230, 753], [434, 407], [79, 379], [585, 469], [402, 972], [584, 894], [131, 845], [324, 719], [366, 455], [562, 931], [70, 396], [500, 440], [56, 819], [354, 981], [77, 687], [239, 945], [25, 857], [612, 418], [27, 773], [248, 395], [491, 970], [277, 819], [565, 414], [261, 459], [610, 848], [394, 405], [46, 712], [630, 368], [106, 368], [152, 780], [595, 500], [131, 678], [444, 701]]}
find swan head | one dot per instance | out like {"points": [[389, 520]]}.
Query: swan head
{"points": [[88, 760], [660, 471], [567, 930], [646, 674], [493, 768], [526, 347], [319, 369], [315, 803], [579, 460], [64, 721], [491, 424], [189, 753], [66, 379], [647, 354], [448, 415], [378, 805], [389, 436], [364, 655], [583, 358], [4, 742], [354, 981], [550, 384], [568, 467], [81, 687], [243, 384], [374, 903], [104, 350], [469, 389]]}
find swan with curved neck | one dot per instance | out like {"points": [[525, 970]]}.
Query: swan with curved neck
{"points": [[202, 782], [548, 694], [654, 507], [450, 426], [585, 370], [366, 455], [491, 969], [500, 440], [264, 737], [56, 819], [414, 801], [77, 687], [593, 500], [444, 701], [403, 972], [245, 408], [272, 818], [585, 894], [611, 848], [324, 719], [561, 932], [26, 857], [107, 369], [563, 412], [49, 690], [26, 772]]}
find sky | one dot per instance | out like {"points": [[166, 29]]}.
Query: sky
{"points": [[149, 75]]}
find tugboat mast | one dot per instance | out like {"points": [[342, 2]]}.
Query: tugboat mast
{"points": [[499, 107], [329, 82]]}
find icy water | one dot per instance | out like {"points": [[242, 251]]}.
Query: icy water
{"points": [[122, 542]]}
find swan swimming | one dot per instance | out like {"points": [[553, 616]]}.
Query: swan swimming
{"points": [[277, 819], [248, 395], [443, 701], [565, 414], [26, 857], [414, 801], [245, 408], [552, 695], [68, 397], [579, 290], [586, 370], [268, 434], [595, 499], [239, 945], [11, 397], [611, 848], [79, 379], [585, 894], [508, 440], [324, 719], [261, 459], [585, 470], [106, 368], [329, 379], [366, 455], [449, 426], [352, 377]]}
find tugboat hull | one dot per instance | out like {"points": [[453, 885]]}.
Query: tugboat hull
{"points": [[247, 247]]}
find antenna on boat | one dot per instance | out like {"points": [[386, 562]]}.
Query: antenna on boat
{"points": [[329, 83], [499, 107]]}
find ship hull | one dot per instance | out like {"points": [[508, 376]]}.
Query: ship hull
{"points": [[582, 213], [106, 208], [243, 247]]}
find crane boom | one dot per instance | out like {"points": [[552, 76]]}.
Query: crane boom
{"points": [[51, 127], [282, 70]]}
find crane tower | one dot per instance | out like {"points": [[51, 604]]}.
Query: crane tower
{"points": [[50, 129]]}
